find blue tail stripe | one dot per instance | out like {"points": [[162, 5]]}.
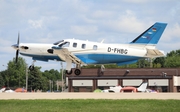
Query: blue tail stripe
{"points": [[151, 35]]}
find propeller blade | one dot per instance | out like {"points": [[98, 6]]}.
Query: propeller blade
{"points": [[17, 53], [18, 39], [17, 46]]}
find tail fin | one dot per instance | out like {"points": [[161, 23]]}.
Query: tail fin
{"points": [[142, 87], [151, 35]]}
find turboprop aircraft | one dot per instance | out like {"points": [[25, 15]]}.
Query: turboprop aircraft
{"points": [[82, 52]]}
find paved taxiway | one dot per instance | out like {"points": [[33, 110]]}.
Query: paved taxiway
{"points": [[25, 96]]}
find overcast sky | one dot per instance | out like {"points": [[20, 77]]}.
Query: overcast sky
{"points": [[116, 21]]}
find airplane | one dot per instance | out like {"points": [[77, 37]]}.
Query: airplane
{"points": [[86, 52], [2, 89], [118, 88]]}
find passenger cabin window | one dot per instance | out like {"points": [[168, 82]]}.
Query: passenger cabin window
{"points": [[83, 46], [95, 47], [74, 44]]}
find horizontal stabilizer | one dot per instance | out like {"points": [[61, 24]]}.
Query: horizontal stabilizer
{"points": [[154, 53]]}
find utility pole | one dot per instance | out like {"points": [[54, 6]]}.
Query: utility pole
{"points": [[50, 85], [26, 78], [62, 75]]}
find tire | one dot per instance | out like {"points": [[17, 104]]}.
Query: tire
{"points": [[77, 72], [31, 67], [69, 72]]}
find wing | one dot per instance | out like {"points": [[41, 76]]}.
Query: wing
{"points": [[65, 55]]}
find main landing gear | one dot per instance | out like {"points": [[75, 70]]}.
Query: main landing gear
{"points": [[76, 72]]}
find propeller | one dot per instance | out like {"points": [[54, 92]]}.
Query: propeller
{"points": [[16, 46]]}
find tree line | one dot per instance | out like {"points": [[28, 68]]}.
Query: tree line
{"points": [[15, 74]]}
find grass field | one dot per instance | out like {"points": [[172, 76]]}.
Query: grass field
{"points": [[89, 105]]}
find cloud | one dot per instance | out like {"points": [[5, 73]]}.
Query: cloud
{"points": [[172, 33], [84, 30], [5, 46], [126, 23], [36, 23]]}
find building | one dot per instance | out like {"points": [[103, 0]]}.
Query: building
{"points": [[163, 79]]}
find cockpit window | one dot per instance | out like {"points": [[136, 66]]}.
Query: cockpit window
{"points": [[65, 44], [58, 42]]}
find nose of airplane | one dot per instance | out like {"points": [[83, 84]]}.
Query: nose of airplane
{"points": [[15, 46]]}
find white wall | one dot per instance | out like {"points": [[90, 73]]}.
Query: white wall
{"points": [[82, 83], [158, 82], [176, 81], [107, 82], [127, 82]]}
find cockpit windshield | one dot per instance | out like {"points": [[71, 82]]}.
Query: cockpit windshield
{"points": [[58, 42], [64, 44]]}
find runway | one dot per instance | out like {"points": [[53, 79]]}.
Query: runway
{"points": [[28, 96]]}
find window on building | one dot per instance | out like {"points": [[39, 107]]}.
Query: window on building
{"points": [[74, 44], [88, 89], [83, 46], [95, 47], [76, 89]]}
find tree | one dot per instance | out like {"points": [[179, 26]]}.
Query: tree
{"points": [[2, 79], [53, 76], [16, 73], [159, 62], [143, 63], [173, 59], [37, 81]]}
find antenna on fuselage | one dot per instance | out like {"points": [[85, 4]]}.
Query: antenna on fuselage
{"points": [[102, 40]]}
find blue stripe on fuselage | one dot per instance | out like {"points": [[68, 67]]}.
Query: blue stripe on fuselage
{"points": [[89, 58], [105, 58], [42, 57]]}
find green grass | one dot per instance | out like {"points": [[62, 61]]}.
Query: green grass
{"points": [[89, 105]]}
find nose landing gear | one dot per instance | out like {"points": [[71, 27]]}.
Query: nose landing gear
{"points": [[31, 67]]}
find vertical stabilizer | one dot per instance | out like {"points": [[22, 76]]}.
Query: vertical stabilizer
{"points": [[142, 87], [151, 35]]}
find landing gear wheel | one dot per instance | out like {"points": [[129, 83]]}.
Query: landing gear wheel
{"points": [[69, 72], [77, 72], [31, 67]]}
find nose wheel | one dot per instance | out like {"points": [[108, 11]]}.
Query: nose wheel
{"points": [[31, 67]]}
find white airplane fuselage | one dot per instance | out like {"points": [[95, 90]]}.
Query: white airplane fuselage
{"points": [[103, 54]]}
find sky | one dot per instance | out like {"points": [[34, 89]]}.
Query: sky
{"points": [[115, 21]]}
